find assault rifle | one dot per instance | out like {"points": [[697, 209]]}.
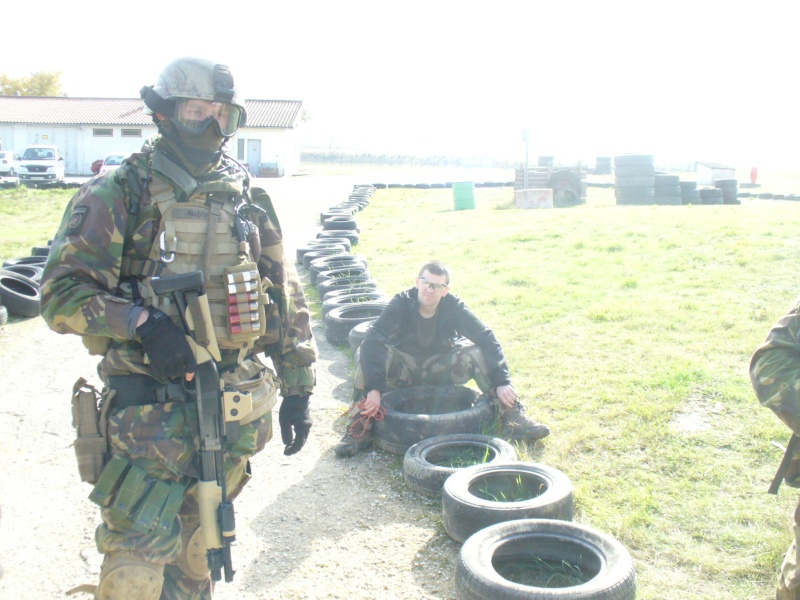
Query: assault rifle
{"points": [[788, 457], [218, 414]]}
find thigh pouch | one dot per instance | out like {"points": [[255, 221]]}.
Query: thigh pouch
{"points": [[151, 505]]}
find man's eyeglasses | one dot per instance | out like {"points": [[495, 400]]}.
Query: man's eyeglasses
{"points": [[435, 286]]}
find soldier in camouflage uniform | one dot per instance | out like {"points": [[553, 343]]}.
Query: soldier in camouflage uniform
{"points": [[426, 335], [180, 205], [775, 374]]}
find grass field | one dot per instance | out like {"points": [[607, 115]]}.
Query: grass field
{"points": [[629, 331]]}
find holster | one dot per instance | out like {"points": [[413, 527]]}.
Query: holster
{"points": [[88, 418]]}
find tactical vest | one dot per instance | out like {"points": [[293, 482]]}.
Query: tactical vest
{"points": [[198, 231]]}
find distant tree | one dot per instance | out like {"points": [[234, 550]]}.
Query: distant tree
{"points": [[40, 83]]}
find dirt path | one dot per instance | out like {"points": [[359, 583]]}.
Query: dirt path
{"points": [[309, 526]]}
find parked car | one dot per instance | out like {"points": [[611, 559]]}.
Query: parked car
{"points": [[41, 165], [9, 163], [111, 162]]}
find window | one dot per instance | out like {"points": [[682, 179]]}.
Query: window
{"points": [[132, 133], [103, 132], [240, 150]]}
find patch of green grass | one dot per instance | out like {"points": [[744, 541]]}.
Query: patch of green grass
{"points": [[633, 346], [29, 217]]}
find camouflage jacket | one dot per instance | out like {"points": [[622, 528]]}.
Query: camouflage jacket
{"points": [[775, 369], [81, 287]]}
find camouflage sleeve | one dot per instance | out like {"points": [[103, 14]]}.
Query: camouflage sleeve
{"points": [[83, 267], [775, 369], [297, 353]]}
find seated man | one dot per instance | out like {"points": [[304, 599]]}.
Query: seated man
{"points": [[426, 335]]}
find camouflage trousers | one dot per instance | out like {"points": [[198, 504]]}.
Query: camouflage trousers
{"points": [[789, 579], [161, 440], [459, 366]]}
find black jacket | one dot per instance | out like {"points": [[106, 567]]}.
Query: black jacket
{"points": [[454, 320]]}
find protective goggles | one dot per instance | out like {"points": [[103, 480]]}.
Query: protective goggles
{"points": [[195, 116]]}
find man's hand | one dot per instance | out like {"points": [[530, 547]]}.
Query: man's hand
{"points": [[507, 394], [295, 421], [170, 354], [371, 403]]}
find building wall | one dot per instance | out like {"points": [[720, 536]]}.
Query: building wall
{"points": [[708, 175], [81, 145]]}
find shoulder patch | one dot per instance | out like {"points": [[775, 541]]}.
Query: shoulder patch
{"points": [[77, 219]]}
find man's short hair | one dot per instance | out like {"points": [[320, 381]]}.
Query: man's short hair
{"points": [[436, 267]]}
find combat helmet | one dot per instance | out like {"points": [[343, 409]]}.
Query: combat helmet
{"points": [[190, 78]]}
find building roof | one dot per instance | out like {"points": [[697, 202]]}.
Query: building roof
{"points": [[713, 165], [57, 110]]}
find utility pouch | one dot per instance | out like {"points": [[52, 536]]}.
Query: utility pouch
{"points": [[246, 297], [91, 447]]}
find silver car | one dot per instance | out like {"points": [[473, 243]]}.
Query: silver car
{"points": [[9, 163]]}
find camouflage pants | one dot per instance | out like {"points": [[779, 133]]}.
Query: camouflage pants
{"points": [[160, 439], [789, 579], [459, 366]]}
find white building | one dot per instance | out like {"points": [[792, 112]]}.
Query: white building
{"points": [[708, 172], [87, 129]]}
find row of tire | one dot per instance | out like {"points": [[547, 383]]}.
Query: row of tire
{"points": [[19, 284], [435, 427], [513, 518]]}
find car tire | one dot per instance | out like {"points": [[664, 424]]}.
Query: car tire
{"points": [[26, 260], [423, 467], [340, 320], [340, 223], [420, 412], [33, 272], [20, 294], [355, 298], [358, 333], [344, 282], [469, 500], [483, 559]]}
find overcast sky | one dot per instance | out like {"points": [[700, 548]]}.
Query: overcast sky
{"points": [[701, 80]]}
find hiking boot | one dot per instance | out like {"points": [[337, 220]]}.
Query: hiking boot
{"points": [[516, 426], [351, 445]]}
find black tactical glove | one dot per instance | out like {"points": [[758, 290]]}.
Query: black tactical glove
{"points": [[170, 354], [294, 414]]}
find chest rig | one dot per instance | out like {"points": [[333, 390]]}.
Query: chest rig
{"points": [[208, 226]]}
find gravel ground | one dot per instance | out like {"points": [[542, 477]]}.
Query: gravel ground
{"points": [[308, 526]]}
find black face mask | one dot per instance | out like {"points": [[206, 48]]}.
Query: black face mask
{"points": [[200, 150]]}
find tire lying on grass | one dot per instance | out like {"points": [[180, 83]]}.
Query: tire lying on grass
{"points": [[20, 294], [539, 559], [25, 260], [419, 412], [348, 233], [344, 282], [482, 495], [427, 464], [355, 298]]}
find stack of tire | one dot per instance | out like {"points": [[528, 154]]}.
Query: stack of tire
{"points": [[635, 179], [668, 190], [348, 293], [689, 192], [19, 284], [602, 165], [509, 515], [711, 195], [730, 190]]}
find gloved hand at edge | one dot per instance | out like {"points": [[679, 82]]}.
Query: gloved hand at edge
{"points": [[295, 421], [165, 344]]}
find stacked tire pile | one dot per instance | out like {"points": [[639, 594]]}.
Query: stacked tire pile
{"points": [[635, 179], [514, 518], [349, 295], [730, 190], [689, 192], [711, 195], [19, 284], [668, 190]]}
